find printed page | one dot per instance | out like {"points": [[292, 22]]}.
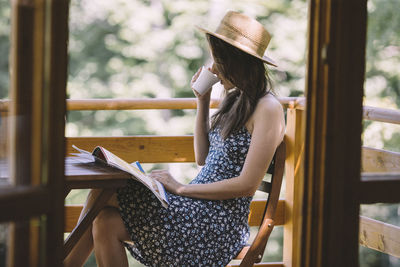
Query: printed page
{"points": [[156, 187], [83, 154]]}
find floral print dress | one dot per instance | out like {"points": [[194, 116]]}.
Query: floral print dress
{"points": [[191, 232]]}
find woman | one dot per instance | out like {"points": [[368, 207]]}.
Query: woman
{"points": [[206, 221]]}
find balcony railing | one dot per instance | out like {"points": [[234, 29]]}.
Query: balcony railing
{"points": [[373, 234]]}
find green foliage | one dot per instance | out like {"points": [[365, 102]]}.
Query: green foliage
{"points": [[106, 123], [383, 52], [382, 89], [136, 49], [4, 47]]}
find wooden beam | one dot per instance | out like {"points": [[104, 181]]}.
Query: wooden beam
{"points": [[18, 255], [21, 90], [21, 93], [72, 213], [384, 177], [54, 111], [135, 104], [369, 113], [149, 103], [294, 185], [336, 67], [71, 216], [379, 160], [4, 105], [145, 149], [4, 134], [381, 114], [23, 202], [37, 224], [381, 189], [380, 236], [261, 264]]}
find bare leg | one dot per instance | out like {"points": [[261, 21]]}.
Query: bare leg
{"points": [[84, 246], [108, 234]]}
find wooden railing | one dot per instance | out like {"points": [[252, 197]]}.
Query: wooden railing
{"points": [[373, 234], [379, 167], [380, 236], [147, 149]]}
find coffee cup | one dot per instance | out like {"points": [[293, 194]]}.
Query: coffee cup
{"points": [[205, 81]]}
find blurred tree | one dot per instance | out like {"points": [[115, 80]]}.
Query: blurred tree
{"points": [[382, 89], [152, 48], [383, 50], [4, 47]]}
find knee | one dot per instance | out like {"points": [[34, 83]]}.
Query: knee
{"points": [[103, 224]]}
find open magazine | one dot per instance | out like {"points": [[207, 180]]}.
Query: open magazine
{"points": [[102, 155]]}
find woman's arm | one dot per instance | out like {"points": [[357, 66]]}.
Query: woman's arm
{"points": [[202, 125], [268, 132], [201, 129]]}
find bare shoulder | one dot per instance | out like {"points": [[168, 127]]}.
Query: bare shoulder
{"points": [[269, 114], [270, 105]]}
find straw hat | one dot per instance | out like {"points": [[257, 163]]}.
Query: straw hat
{"points": [[245, 33]]}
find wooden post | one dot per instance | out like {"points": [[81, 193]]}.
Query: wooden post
{"points": [[294, 181], [22, 54], [332, 154], [37, 112], [55, 77], [4, 141]]}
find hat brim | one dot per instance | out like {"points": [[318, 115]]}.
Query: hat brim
{"points": [[236, 44]]}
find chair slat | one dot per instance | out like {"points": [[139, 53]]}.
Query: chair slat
{"points": [[265, 187]]}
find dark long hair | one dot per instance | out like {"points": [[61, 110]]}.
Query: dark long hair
{"points": [[250, 78]]}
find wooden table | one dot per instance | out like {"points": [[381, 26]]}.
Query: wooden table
{"points": [[80, 174]]}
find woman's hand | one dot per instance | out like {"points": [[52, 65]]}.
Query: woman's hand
{"points": [[207, 95], [164, 177]]}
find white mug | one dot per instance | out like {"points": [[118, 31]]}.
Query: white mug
{"points": [[205, 81]]}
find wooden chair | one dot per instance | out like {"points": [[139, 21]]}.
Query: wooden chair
{"points": [[114, 178], [253, 253]]}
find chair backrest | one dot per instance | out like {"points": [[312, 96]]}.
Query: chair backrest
{"points": [[256, 250]]}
